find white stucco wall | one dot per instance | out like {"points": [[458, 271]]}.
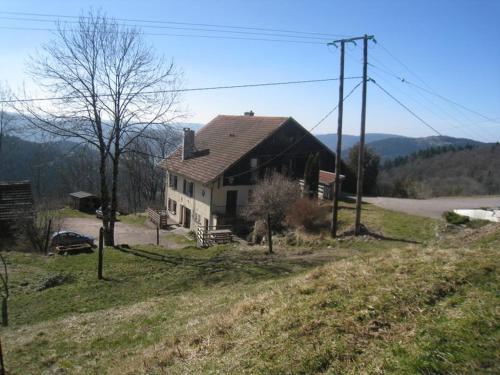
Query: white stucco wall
{"points": [[199, 204], [207, 200], [220, 194]]}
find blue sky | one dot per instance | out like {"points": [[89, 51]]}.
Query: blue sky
{"points": [[450, 46]]}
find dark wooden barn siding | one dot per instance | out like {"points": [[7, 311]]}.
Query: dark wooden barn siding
{"points": [[291, 162]]}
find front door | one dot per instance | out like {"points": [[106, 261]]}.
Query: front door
{"points": [[231, 202], [187, 218]]}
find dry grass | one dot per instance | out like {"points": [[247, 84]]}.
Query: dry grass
{"points": [[382, 307]]}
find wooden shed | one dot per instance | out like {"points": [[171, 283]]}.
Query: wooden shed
{"points": [[84, 201], [16, 204]]}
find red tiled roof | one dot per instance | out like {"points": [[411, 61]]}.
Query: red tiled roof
{"points": [[227, 139], [328, 178]]}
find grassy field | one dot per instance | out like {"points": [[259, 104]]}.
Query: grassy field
{"points": [[414, 299]]}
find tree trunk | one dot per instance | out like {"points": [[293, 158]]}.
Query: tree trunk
{"points": [[5, 312], [104, 199], [114, 185]]}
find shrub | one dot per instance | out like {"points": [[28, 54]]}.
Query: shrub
{"points": [[272, 196], [305, 214], [454, 218]]}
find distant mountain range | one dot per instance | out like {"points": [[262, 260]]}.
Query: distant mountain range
{"points": [[350, 140], [390, 146]]}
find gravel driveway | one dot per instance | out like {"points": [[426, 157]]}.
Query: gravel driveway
{"points": [[124, 233], [434, 207]]}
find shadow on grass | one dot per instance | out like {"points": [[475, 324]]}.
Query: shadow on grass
{"points": [[364, 231], [252, 264]]}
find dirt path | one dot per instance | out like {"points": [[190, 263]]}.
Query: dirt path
{"points": [[125, 233], [434, 207]]}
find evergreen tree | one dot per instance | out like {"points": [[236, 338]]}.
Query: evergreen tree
{"points": [[311, 176]]}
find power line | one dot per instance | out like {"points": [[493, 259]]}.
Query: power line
{"points": [[381, 45], [300, 139], [184, 36], [453, 102], [180, 23], [437, 110], [429, 90], [405, 107], [250, 85], [54, 21], [444, 113], [328, 114]]}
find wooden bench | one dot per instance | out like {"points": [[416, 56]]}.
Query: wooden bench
{"points": [[73, 249]]}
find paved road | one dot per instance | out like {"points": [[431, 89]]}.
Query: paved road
{"points": [[433, 207], [124, 233]]}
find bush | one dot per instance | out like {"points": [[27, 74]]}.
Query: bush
{"points": [[272, 196], [454, 218], [306, 214]]}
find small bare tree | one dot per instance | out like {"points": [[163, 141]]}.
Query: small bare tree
{"points": [[271, 199], [112, 86]]}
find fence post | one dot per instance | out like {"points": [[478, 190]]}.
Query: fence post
{"points": [[47, 237], [269, 234], [158, 234], [2, 366], [99, 264]]}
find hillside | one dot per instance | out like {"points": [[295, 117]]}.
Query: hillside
{"points": [[402, 302], [465, 172], [45, 164], [350, 140], [391, 148]]}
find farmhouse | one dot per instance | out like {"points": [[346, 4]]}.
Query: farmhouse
{"points": [[211, 176]]}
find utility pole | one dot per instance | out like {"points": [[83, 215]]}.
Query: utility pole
{"points": [[336, 186], [361, 153]]}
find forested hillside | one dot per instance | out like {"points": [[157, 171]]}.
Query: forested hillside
{"points": [[456, 171], [57, 168], [350, 140], [391, 148]]}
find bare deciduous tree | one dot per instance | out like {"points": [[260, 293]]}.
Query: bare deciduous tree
{"points": [[272, 195], [144, 179], [112, 86], [6, 118]]}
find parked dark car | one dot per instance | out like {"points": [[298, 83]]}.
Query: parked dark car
{"points": [[66, 238], [98, 213]]}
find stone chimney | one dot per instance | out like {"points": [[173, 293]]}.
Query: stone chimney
{"points": [[250, 113], [188, 144]]}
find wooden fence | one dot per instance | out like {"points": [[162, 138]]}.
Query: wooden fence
{"points": [[158, 216], [214, 235]]}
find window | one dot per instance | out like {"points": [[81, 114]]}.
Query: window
{"points": [[254, 162], [172, 181], [188, 188], [172, 206]]}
